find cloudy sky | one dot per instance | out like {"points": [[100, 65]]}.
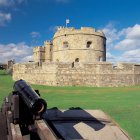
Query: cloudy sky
{"points": [[27, 23]]}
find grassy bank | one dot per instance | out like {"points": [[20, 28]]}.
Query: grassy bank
{"points": [[122, 104], [6, 85]]}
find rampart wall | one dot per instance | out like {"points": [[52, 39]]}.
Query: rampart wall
{"points": [[78, 74]]}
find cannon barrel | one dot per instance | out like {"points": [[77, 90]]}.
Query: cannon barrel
{"points": [[30, 97]]}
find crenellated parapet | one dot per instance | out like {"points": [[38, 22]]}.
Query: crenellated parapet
{"points": [[76, 57], [70, 45], [85, 45], [39, 54], [62, 31]]}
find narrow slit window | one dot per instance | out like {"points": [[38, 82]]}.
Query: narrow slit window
{"points": [[72, 65]]}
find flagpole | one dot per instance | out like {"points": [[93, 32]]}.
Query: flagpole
{"points": [[67, 22]]}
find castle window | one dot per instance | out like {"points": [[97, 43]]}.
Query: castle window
{"points": [[77, 60], [65, 44], [72, 65], [89, 44], [100, 59]]}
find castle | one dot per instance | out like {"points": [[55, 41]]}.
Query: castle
{"points": [[76, 57], [68, 45]]}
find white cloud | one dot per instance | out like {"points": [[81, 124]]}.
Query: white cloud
{"points": [[112, 34], [133, 53], [20, 52], [35, 34], [132, 56], [123, 45], [128, 56], [124, 39], [8, 3], [132, 32], [110, 56], [27, 58], [131, 38], [128, 44], [4, 18]]}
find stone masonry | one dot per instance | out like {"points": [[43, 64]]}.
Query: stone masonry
{"points": [[69, 44], [76, 58], [87, 74]]}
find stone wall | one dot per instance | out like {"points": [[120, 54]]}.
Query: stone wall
{"points": [[71, 43], [137, 74], [39, 54], [43, 75], [78, 74]]}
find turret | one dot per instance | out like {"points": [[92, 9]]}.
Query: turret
{"points": [[39, 54], [83, 45], [48, 51]]}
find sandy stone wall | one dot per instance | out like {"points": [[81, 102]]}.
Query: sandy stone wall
{"points": [[71, 43], [76, 57], [39, 54], [78, 74], [44, 75], [137, 74]]}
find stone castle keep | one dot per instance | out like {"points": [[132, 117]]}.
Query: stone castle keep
{"points": [[76, 57], [70, 45]]}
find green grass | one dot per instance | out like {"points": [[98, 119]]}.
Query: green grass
{"points": [[6, 85], [121, 103]]}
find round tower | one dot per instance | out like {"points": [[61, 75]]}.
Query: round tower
{"points": [[79, 45]]}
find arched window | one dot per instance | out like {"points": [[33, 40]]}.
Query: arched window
{"points": [[65, 44], [89, 44], [77, 60]]}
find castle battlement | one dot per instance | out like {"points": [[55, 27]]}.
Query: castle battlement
{"points": [[47, 42], [38, 48], [68, 42], [76, 57], [62, 31]]}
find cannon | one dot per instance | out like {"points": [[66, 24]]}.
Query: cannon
{"points": [[21, 109], [24, 116], [30, 97]]}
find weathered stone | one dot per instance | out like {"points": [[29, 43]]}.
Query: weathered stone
{"points": [[74, 58], [57, 74]]}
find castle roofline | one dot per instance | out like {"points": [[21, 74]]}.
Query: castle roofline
{"points": [[61, 31]]}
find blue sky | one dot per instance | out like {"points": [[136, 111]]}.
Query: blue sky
{"points": [[27, 23]]}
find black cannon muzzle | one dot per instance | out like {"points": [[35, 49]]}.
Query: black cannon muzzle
{"points": [[30, 97]]}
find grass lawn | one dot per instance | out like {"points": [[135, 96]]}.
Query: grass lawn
{"points": [[121, 103]]}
